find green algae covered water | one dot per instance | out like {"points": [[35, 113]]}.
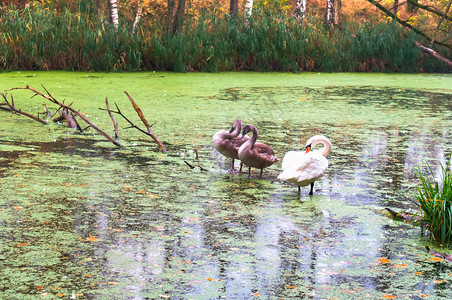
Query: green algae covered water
{"points": [[80, 217]]}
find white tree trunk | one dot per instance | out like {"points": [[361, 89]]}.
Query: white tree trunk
{"points": [[248, 11], [114, 18], [329, 13], [138, 16], [300, 9]]}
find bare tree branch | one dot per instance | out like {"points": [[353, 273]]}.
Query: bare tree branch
{"points": [[145, 122], [408, 25], [112, 118], [434, 53], [68, 107], [14, 109]]}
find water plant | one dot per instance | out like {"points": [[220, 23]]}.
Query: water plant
{"points": [[435, 202]]}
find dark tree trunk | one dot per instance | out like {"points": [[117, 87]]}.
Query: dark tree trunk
{"points": [[234, 7]]}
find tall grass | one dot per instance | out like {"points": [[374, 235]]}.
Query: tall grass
{"points": [[40, 39], [435, 202]]}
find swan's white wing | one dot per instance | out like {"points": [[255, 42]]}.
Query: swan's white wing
{"points": [[293, 158], [304, 169]]}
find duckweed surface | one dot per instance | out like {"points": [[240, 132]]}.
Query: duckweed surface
{"points": [[80, 217]]}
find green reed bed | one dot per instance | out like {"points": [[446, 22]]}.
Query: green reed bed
{"points": [[435, 201], [40, 39]]}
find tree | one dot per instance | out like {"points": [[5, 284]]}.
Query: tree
{"points": [[233, 7], [113, 13], [175, 15], [248, 11], [138, 15], [332, 12], [300, 9]]}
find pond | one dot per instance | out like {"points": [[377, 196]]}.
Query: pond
{"points": [[82, 218]]}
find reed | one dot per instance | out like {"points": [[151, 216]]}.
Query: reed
{"points": [[42, 39], [435, 202]]}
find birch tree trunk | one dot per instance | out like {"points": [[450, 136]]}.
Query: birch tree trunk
{"points": [[138, 16], [113, 15], [248, 12], [300, 10], [329, 13], [333, 8]]}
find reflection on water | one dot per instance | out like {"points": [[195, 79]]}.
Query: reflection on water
{"points": [[81, 217]]}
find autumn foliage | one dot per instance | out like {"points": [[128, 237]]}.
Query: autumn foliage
{"points": [[76, 35]]}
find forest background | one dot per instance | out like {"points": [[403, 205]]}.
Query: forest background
{"points": [[227, 35]]}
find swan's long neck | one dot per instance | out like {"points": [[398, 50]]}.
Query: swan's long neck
{"points": [[320, 139], [250, 143], [254, 137], [237, 128]]}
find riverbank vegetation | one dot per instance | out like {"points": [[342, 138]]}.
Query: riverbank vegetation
{"points": [[435, 202], [52, 36]]}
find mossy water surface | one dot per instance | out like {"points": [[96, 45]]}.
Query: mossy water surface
{"points": [[82, 216]]}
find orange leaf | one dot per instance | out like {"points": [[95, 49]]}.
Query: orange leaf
{"points": [[291, 287], [141, 192], [39, 287], [389, 296], [112, 283], [209, 279], [60, 294], [22, 244], [91, 238], [256, 294], [383, 260], [436, 258]]}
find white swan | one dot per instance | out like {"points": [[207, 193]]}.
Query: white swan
{"points": [[257, 155], [228, 142], [303, 168]]}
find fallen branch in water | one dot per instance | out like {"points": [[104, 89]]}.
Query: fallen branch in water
{"points": [[68, 108], [145, 122], [10, 106], [115, 125], [149, 131]]}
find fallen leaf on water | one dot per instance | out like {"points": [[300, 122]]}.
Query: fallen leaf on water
{"points": [[113, 283], [60, 294], [209, 279], [91, 238], [436, 258], [291, 287], [141, 192], [389, 296], [22, 244], [383, 260], [256, 294]]}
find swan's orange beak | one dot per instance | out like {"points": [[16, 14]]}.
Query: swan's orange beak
{"points": [[308, 148]]}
